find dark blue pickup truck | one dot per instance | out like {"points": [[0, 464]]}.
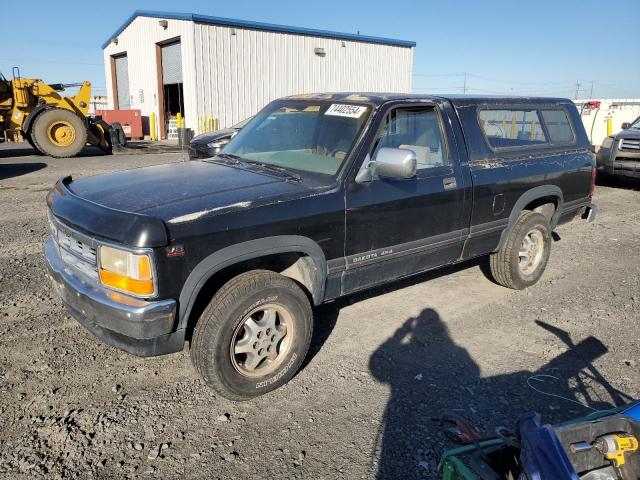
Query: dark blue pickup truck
{"points": [[318, 196]]}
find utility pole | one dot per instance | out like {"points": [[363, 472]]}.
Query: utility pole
{"points": [[577, 89], [464, 88], [591, 92]]}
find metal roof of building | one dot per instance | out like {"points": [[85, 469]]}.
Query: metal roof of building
{"points": [[230, 22]]}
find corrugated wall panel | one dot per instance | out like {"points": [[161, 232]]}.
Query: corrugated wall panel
{"points": [[241, 70], [122, 82], [233, 76], [172, 63]]}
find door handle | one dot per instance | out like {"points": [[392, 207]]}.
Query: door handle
{"points": [[449, 183]]}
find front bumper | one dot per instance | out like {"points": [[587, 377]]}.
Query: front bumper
{"points": [[140, 327], [613, 161]]}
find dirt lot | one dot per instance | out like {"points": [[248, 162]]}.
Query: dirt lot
{"points": [[383, 365]]}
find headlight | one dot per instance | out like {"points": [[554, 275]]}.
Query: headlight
{"points": [[125, 271], [218, 143], [607, 142]]}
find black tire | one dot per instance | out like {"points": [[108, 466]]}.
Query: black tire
{"points": [[27, 136], [223, 319], [506, 266], [45, 124]]}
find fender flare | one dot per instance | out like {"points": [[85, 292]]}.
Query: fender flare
{"points": [[26, 126], [526, 198], [240, 252]]}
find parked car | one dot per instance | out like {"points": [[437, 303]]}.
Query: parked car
{"points": [[620, 153], [319, 196], [208, 144]]}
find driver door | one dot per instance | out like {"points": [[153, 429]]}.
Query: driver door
{"points": [[400, 226]]}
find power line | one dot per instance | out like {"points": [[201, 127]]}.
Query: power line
{"points": [[481, 77], [515, 81], [438, 74], [22, 60]]}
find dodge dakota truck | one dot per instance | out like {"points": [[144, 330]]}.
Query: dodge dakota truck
{"points": [[317, 197]]}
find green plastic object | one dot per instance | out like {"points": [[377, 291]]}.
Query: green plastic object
{"points": [[453, 466]]}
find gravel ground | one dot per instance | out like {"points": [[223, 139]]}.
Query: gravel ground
{"points": [[383, 368]]}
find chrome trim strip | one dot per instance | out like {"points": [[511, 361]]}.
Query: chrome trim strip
{"points": [[396, 251], [488, 227]]}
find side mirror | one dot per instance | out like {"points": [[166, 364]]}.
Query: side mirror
{"points": [[626, 125], [390, 162]]}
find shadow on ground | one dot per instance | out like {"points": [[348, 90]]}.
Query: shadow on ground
{"points": [[24, 150], [429, 375], [18, 151], [10, 170], [625, 183]]}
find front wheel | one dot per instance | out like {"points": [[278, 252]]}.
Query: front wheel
{"points": [[253, 335], [523, 258], [28, 138], [59, 133]]}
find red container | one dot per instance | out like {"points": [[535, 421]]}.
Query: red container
{"points": [[131, 121]]}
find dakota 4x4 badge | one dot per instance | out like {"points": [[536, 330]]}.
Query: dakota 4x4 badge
{"points": [[341, 110]]}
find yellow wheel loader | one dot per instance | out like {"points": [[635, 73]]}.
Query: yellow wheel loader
{"points": [[55, 125]]}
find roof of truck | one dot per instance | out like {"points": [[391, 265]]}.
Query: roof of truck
{"points": [[456, 99]]}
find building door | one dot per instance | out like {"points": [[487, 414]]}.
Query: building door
{"points": [[122, 99], [172, 93]]}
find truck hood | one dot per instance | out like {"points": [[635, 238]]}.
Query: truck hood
{"points": [[176, 189], [631, 133], [114, 205], [205, 138]]}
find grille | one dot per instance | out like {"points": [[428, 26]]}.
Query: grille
{"points": [[626, 144], [77, 247], [76, 251]]}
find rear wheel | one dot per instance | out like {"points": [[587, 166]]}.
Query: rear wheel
{"points": [[253, 335], [59, 133], [523, 258]]}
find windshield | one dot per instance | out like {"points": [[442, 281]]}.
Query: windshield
{"points": [[636, 123], [301, 135], [241, 124]]}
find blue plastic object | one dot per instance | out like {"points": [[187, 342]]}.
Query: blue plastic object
{"points": [[633, 412], [542, 454]]}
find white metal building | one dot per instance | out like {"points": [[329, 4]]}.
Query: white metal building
{"points": [[611, 114], [220, 71]]}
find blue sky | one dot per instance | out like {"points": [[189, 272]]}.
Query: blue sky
{"points": [[537, 47]]}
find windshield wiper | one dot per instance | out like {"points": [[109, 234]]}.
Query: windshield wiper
{"points": [[227, 156], [275, 168]]}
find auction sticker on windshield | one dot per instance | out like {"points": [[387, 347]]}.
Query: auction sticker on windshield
{"points": [[341, 110]]}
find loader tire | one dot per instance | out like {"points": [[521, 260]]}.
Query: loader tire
{"points": [[27, 136], [59, 133]]}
